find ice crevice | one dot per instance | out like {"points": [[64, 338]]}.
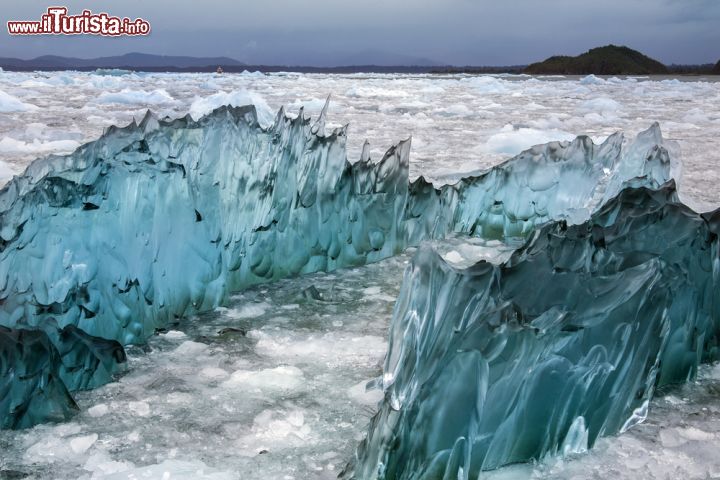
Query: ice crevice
{"points": [[165, 218]]}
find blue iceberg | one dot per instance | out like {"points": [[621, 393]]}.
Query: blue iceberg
{"points": [[40, 367], [565, 341], [164, 218]]}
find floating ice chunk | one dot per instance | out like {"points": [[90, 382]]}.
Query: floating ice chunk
{"points": [[602, 105], [101, 464], [139, 97], [173, 470], [311, 105], [10, 103], [11, 145], [361, 91], [173, 335], [511, 141], [279, 379], [359, 393], [83, 443], [60, 445], [139, 408], [372, 290], [249, 310], [592, 80], [98, 410], [237, 98], [190, 349], [487, 84], [213, 373], [331, 347], [274, 430]]}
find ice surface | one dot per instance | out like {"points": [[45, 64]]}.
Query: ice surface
{"points": [[421, 105], [565, 341]]}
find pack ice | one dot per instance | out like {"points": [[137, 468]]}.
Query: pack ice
{"points": [[164, 218]]}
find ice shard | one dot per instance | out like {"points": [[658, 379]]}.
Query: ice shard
{"points": [[164, 218], [564, 342], [40, 367]]}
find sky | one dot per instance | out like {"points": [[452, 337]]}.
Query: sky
{"points": [[336, 32]]}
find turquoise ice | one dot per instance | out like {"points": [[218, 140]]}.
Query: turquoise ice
{"points": [[163, 219], [564, 342]]}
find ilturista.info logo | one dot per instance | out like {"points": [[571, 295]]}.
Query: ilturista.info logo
{"points": [[56, 21]]}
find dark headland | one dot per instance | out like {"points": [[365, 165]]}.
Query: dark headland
{"points": [[607, 60]]}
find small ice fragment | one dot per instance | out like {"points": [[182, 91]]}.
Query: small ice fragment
{"points": [[280, 378], [173, 335], [453, 257], [359, 393], [250, 310], [372, 290], [141, 409], [98, 410], [213, 373], [190, 348], [82, 444]]}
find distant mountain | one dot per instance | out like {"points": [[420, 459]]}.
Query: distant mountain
{"points": [[607, 60], [144, 61], [716, 70], [129, 60]]}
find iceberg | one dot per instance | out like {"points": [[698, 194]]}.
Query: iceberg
{"points": [[565, 341], [164, 218], [40, 367]]}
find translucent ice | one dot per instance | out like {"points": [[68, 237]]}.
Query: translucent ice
{"points": [[165, 218], [565, 341], [39, 367]]}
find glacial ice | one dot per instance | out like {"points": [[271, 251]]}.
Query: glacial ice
{"points": [[565, 341], [164, 218], [10, 103], [39, 367]]}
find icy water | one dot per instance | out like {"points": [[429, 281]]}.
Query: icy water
{"points": [[458, 123], [273, 386]]}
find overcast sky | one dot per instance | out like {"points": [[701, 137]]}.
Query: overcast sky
{"points": [[322, 32]]}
